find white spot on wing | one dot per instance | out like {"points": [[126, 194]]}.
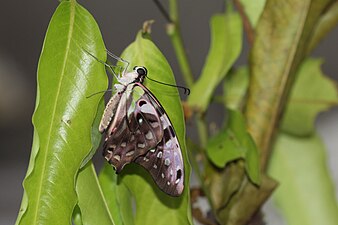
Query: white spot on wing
{"points": [[130, 153], [146, 108], [117, 157], [132, 138], [154, 124], [149, 135], [167, 162], [168, 143], [123, 144], [159, 155], [141, 145], [162, 175], [164, 122]]}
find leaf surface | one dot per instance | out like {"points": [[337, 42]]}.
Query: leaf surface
{"points": [[234, 142], [93, 206], [114, 194], [225, 47], [63, 116], [311, 94], [235, 88], [306, 194]]}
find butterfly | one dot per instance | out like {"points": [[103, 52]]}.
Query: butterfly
{"points": [[138, 130]]}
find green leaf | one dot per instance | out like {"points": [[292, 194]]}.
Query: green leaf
{"points": [[327, 22], [96, 136], [306, 194], [235, 88], [276, 54], [63, 116], [93, 207], [118, 197], [311, 94], [152, 205], [253, 10], [225, 47], [234, 143]]}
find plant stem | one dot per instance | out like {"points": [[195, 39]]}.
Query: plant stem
{"points": [[246, 23], [173, 30], [202, 131]]}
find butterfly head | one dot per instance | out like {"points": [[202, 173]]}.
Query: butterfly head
{"points": [[141, 72]]}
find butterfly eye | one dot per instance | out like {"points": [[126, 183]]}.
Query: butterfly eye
{"points": [[140, 70]]}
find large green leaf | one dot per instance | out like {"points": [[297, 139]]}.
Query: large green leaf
{"points": [[306, 194], [311, 94], [152, 205], [63, 116], [280, 46], [235, 142], [225, 47]]}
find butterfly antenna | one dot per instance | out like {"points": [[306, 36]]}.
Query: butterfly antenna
{"points": [[185, 89], [104, 63], [120, 60], [99, 93]]}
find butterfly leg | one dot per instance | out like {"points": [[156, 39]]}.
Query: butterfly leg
{"points": [[120, 60]]}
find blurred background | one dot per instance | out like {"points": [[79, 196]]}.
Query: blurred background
{"points": [[23, 25]]}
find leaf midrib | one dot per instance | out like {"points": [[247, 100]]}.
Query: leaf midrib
{"points": [[71, 28]]}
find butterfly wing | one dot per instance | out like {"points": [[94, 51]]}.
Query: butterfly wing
{"points": [[141, 131], [165, 161], [135, 128]]}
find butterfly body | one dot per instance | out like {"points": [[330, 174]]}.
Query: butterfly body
{"points": [[138, 130]]}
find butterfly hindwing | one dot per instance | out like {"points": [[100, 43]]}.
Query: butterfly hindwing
{"points": [[164, 162]]}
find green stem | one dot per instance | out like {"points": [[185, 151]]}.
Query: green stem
{"points": [[173, 30], [202, 131]]}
